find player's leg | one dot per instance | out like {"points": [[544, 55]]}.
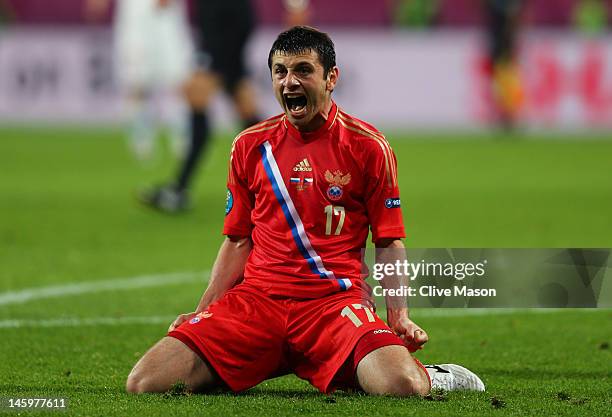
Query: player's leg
{"points": [[142, 125], [176, 118], [338, 341], [134, 68], [361, 351], [173, 197], [200, 90], [391, 370], [393, 364], [172, 41], [235, 71], [168, 362], [236, 343], [244, 101]]}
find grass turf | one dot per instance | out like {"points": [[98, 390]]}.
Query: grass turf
{"points": [[66, 215]]}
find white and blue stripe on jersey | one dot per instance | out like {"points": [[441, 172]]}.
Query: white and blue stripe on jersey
{"points": [[293, 219]]}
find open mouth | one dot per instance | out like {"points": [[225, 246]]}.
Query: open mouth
{"points": [[296, 103]]}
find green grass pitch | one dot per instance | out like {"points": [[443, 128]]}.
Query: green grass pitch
{"points": [[67, 216]]}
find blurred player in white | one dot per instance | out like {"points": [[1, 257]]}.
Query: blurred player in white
{"points": [[153, 58], [223, 29]]}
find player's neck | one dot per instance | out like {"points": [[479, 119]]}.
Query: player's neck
{"points": [[319, 123], [319, 120]]}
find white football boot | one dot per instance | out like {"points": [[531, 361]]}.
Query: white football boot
{"points": [[451, 377]]}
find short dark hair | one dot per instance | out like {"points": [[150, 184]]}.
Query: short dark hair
{"points": [[301, 39]]}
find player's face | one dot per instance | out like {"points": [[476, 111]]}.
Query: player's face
{"points": [[302, 90]]}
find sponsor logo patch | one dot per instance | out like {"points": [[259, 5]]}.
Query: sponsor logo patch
{"points": [[379, 331], [392, 203], [302, 166]]}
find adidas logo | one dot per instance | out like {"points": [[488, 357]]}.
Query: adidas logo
{"points": [[302, 166]]}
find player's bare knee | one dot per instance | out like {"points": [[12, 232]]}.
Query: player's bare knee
{"points": [[412, 384], [139, 382], [136, 383], [416, 384], [408, 383], [401, 383]]}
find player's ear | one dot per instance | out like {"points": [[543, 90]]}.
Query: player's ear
{"points": [[332, 78]]}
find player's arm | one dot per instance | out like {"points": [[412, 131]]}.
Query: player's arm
{"points": [[387, 225], [390, 251], [227, 271]]}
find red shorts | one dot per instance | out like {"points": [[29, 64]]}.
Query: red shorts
{"points": [[248, 336]]}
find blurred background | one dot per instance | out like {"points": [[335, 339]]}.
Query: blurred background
{"points": [[406, 63], [499, 111]]}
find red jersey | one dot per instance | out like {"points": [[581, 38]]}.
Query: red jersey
{"points": [[308, 201]]}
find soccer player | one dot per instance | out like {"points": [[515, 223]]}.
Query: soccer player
{"points": [[506, 90], [223, 29], [153, 59], [286, 292]]}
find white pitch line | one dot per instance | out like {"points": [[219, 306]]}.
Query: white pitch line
{"points": [[76, 288], [85, 321], [156, 320], [466, 312], [475, 312]]}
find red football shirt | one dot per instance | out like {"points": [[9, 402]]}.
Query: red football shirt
{"points": [[308, 200]]}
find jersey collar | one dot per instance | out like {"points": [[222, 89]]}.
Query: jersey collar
{"points": [[309, 136]]}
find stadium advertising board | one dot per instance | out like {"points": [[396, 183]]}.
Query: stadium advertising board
{"points": [[427, 80]]}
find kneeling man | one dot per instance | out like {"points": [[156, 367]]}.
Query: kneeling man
{"points": [[287, 293]]}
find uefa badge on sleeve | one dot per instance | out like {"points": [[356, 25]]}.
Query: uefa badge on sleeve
{"points": [[229, 202]]}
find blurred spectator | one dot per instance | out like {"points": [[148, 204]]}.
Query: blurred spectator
{"points": [[153, 56], [502, 28]]}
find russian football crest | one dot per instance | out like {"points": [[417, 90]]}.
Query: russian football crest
{"points": [[336, 181]]}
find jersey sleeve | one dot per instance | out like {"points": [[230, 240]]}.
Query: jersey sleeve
{"points": [[240, 201], [382, 193]]}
